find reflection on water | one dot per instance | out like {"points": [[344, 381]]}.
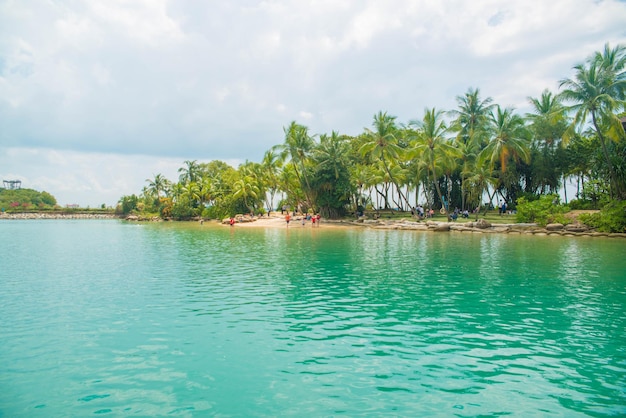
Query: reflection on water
{"points": [[185, 320]]}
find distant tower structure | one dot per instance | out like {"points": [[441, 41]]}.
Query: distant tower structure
{"points": [[12, 184]]}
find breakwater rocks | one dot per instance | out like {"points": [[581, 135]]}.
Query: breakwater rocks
{"points": [[483, 227], [52, 215]]}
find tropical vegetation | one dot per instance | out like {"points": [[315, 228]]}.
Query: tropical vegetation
{"points": [[20, 200], [449, 160]]}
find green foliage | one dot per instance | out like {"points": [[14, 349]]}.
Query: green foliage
{"points": [[542, 211], [612, 218], [579, 204], [596, 192], [13, 200], [332, 194], [184, 210], [127, 204]]}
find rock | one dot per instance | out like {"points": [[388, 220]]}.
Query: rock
{"points": [[441, 228], [132, 218], [576, 228], [482, 224], [554, 227]]}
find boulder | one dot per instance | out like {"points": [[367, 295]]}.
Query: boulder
{"points": [[577, 227], [441, 228], [482, 224], [554, 227]]}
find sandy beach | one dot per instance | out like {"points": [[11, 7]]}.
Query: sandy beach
{"points": [[276, 220]]}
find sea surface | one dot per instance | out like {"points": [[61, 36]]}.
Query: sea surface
{"points": [[103, 317]]}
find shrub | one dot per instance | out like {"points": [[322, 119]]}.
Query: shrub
{"points": [[543, 211], [184, 210], [612, 218], [579, 204]]}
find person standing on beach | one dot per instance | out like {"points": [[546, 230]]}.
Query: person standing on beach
{"points": [[287, 218], [319, 218]]}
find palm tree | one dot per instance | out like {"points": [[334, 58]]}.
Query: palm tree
{"points": [[271, 165], [432, 145], [297, 146], [479, 181], [472, 117], [206, 190], [190, 172], [509, 138], [597, 90], [157, 185], [548, 122], [359, 175], [510, 142], [247, 188], [331, 152], [382, 144], [472, 126], [191, 191]]}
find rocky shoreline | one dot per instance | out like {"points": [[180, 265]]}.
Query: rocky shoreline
{"points": [[480, 227]]}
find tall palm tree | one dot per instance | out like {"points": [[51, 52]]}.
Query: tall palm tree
{"points": [[190, 172], [298, 146], [472, 126], [157, 185], [271, 165], [472, 117], [597, 90], [432, 145], [509, 138], [246, 187], [191, 191], [509, 142], [548, 121], [547, 118], [381, 144], [332, 152]]}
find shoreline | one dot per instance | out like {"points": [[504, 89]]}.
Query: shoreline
{"points": [[277, 221], [477, 227]]}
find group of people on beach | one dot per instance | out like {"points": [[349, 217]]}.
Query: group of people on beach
{"points": [[314, 218]]}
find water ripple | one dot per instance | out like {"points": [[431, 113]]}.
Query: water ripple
{"points": [[183, 320]]}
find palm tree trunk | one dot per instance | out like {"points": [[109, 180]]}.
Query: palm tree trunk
{"points": [[614, 186], [439, 193], [491, 196], [462, 192]]}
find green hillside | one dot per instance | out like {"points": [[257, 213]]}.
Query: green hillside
{"points": [[14, 200]]}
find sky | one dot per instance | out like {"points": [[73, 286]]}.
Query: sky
{"points": [[97, 96]]}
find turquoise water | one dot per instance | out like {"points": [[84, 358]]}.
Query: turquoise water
{"points": [[110, 318]]}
